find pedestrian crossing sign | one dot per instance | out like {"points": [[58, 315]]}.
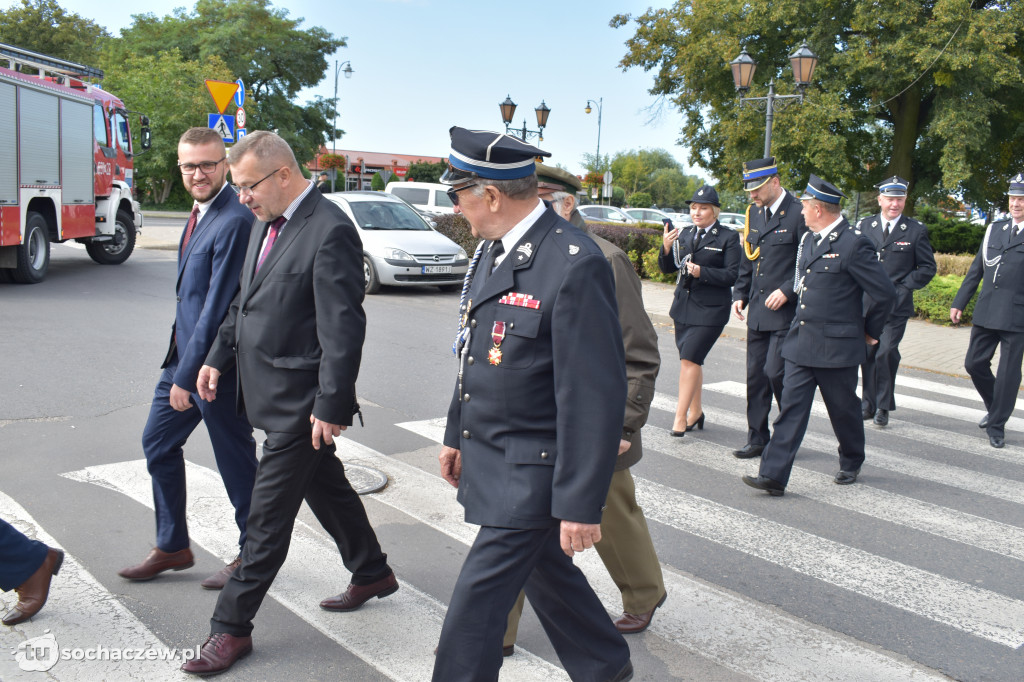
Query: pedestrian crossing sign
{"points": [[224, 125]]}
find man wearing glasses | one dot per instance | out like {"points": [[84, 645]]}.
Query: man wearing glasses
{"points": [[294, 333], [210, 257], [535, 423]]}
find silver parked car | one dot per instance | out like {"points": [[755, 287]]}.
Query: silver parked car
{"points": [[400, 248], [607, 214]]}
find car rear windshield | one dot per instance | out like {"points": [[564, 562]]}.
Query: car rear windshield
{"points": [[386, 215]]}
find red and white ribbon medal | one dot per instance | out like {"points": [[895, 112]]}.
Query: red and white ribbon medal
{"points": [[497, 336]]}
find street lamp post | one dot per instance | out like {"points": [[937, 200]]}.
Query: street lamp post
{"points": [[508, 110], [600, 102], [347, 70], [803, 62]]}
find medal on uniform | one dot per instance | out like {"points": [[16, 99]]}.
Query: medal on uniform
{"points": [[497, 336]]}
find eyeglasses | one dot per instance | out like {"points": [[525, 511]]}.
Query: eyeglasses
{"points": [[206, 167], [248, 191], [453, 192]]}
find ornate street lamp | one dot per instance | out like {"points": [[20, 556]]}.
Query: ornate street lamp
{"points": [[598, 104], [803, 62], [508, 110], [346, 68]]}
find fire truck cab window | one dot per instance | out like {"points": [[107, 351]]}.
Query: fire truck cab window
{"points": [[99, 126], [124, 139]]}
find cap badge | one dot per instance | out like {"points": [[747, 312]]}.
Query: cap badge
{"points": [[573, 249], [700, 192]]}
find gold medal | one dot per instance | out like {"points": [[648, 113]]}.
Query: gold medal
{"points": [[497, 336]]}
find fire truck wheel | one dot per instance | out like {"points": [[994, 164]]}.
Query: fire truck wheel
{"points": [[34, 252], [117, 251]]}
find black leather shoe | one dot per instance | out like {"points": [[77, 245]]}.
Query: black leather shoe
{"points": [[996, 441], [624, 675], [846, 477], [773, 488], [882, 418], [678, 434], [983, 424], [748, 451], [867, 412]]}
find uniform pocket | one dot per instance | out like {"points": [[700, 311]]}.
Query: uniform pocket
{"points": [[841, 330], [529, 473]]}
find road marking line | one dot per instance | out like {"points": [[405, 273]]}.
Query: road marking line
{"points": [[943, 389], [79, 613], [395, 636], [734, 631]]}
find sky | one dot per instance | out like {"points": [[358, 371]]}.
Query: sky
{"points": [[422, 66]]}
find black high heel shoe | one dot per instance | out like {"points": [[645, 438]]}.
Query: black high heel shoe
{"points": [[699, 424]]}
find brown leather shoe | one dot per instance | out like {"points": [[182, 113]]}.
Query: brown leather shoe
{"points": [[157, 562], [218, 580], [219, 652], [356, 595], [631, 624], [33, 592]]}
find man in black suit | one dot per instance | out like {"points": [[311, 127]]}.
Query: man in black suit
{"points": [[765, 289], [295, 334], [536, 420], [826, 341], [210, 258], [906, 254], [998, 315]]}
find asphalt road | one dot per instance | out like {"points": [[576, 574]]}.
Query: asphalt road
{"points": [[913, 573]]}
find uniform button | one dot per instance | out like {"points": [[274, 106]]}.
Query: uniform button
{"points": [[466, 435], [761, 291], [801, 322], [511, 325], [558, 231], [178, 298], [465, 398], [544, 454], [244, 312], [808, 270], [472, 323], [802, 306], [470, 360]]}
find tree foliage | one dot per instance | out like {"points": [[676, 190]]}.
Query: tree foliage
{"points": [[654, 172], [170, 90], [424, 171], [44, 26], [930, 90], [259, 44]]}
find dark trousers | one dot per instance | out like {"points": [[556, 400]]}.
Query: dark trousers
{"points": [[838, 386], [291, 470], [878, 374], [765, 369], [162, 440], [499, 564], [20, 557], [1000, 391]]}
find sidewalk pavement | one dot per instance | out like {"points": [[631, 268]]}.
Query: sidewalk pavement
{"points": [[926, 346]]}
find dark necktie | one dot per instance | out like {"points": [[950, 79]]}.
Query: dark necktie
{"points": [[698, 235], [1014, 231], [817, 239], [275, 228], [767, 215], [193, 218], [885, 231]]}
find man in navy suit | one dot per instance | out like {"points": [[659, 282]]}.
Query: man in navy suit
{"points": [[906, 254], [836, 267], [998, 314], [535, 422], [210, 259]]}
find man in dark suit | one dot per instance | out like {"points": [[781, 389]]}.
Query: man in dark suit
{"points": [[826, 341], [906, 254], [765, 289], [533, 430], [26, 566], [626, 548], [210, 257], [998, 315], [295, 334]]}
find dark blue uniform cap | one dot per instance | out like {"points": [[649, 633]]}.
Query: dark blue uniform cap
{"points": [[1016, 186], [822, 190], [705, 195], [490, 155], [893, 187], [758, 172]]}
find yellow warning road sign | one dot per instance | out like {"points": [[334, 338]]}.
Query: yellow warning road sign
{"points": [[222, 93]]}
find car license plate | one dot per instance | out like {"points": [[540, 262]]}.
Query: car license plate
{"points": [[436, 269]]}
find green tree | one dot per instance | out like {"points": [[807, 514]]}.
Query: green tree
{"points": [[44, 26], [634, 170], [640, 200], [423, 171], [259, 44], [927, 89], [377, 183], [170, 90]]}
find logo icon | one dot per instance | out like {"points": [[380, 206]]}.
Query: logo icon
{"points": [[38, 654]]}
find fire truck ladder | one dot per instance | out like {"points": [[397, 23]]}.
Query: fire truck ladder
{"points": [[17, 57]]}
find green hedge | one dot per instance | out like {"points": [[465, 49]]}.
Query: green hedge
{"points": [[934, 301], [948, 235]]}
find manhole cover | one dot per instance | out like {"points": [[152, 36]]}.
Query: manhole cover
{"points": [[365, 480]]}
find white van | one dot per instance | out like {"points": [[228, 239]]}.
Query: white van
{"points": [[429, 198]]}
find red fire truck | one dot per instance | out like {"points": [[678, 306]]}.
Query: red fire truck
{"points": [[65, 165]]}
